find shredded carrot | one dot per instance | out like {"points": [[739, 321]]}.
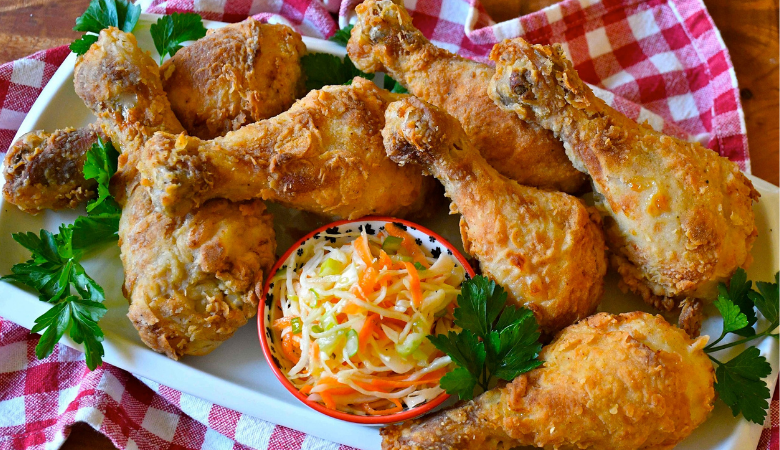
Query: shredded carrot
{"points": [[328, 400], [328, 380], [367, 330], [394, 321], [363, 251], [291, 347], [353, 308], [384, 260], [397, 408], [368, 279], [340, 391], [414, 284], [408, 244], [432, 377], [306, 389]]}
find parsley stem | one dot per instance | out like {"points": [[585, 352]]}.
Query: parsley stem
{"points": [[767, 332], [715, 342]]}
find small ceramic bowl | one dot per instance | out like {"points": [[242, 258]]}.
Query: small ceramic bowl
{"points": [[270, 311]]}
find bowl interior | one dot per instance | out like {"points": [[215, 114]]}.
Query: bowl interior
{"points": [[271, 339]]}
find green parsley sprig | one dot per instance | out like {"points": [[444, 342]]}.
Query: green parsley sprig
{"points": [[394, 86], [496, 341], [342, 36], [55, 271], [322, 69], [101, 14], [740, 383], [169, 32]]}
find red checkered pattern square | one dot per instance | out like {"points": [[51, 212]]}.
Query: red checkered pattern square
{"points": [[657, 61]]}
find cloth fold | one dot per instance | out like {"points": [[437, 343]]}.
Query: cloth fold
{"points": [[658, 61]]}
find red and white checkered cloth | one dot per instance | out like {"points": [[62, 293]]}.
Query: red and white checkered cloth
{"points": [[665, 55]]}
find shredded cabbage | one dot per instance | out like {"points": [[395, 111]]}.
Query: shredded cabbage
{"points": [[355, 319]]}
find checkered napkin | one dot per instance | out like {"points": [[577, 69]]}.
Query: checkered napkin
{"points": [[665, 55]]}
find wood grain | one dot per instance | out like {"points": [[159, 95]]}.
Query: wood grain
{"points": [[749, 29]]}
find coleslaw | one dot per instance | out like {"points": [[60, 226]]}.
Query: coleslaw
{"points": [[355, 316]]}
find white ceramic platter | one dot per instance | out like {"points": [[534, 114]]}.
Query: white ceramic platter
{"points": [[236, 375]]}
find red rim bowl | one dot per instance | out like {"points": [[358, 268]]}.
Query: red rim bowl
{"points": [[261, 328]]}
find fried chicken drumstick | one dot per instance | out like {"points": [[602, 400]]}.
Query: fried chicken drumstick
{"points": [[193, 280], [541, 246], [237, 74], [610, 382], [324, 155], [44, 170], [384, 39], [678, 217]]}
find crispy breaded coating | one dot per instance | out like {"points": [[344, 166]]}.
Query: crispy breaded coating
{"points": [[678, 216], [44, 170], [611, 382], [191, 280], [541, 246], [324, 155], [384, 39], [237, 74]]}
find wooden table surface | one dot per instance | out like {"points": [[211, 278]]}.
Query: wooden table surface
{"points": [[749, 28]]}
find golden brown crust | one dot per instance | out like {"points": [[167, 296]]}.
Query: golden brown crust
{"points": [[610, 382], [192, 280], [121, 85], [237, 74], [541, 246], [678, 217], [44, 170], [384, 39], [324, 155]]}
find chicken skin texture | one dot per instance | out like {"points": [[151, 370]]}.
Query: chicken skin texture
{"points": [[44, 170], [324, 155], [384, 39], [678, 217], [541, 246], [236, 75], [610, 382], [192, 280]]}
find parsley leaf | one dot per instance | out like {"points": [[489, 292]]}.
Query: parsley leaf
{"points": [[101, 14], [81, 45], [514, 347], [459, 382], [733, 318], [479, 304], [466, 351], [740, 385], [394, 86], [739, 382], [101, 225], [171, 31], [100, 165], [738, 290], [496, 341], [79, 318], [767, 300], [342, 36], [54, 265], [322, 69]]}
